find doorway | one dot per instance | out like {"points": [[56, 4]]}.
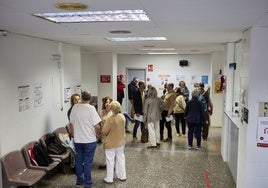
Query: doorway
{"points": [[140, 73]]}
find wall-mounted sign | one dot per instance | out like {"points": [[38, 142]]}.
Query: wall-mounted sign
{"points": [[262, 140], [105, 78]]}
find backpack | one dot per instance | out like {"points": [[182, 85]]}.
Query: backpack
{"points": [[54, 145], [41, 155], [203, 102]]}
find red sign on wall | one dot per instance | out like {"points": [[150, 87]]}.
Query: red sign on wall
{"points": [[105, 78]]}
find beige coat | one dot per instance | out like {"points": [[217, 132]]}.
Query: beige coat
{"points": [[169, 99], [179, 104], [114, 131]]}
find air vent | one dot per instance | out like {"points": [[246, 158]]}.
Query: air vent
{"points": [[120, 32], [72, 6]]}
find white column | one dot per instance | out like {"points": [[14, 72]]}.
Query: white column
{"points": [[107, 65]]}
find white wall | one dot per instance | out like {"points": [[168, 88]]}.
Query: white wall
{"points": [[28, 61], [257, 165], [168, 65], [89, 72]]}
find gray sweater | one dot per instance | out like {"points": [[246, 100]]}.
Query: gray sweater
{"points": [[153, 107]]}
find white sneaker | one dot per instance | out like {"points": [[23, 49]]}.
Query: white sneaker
{"points": [[198, 148]]}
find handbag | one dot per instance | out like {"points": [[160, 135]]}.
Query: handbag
{"points": [[144, 135]]}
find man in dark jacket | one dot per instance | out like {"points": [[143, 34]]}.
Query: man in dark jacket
{"points": [[138, 103], [195, 117], [132, 90]]}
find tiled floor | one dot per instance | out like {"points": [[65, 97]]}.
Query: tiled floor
{"points": [[171, 166]]}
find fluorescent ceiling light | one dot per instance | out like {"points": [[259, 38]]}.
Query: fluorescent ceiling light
{"points": [[96, 16], [162, 53], [156, 49], [133, 39]]}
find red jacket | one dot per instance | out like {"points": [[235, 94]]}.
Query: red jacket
{"points": [[120, 89]]}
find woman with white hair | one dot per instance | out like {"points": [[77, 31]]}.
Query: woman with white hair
{"points": [[195, 117], [114, 144]]}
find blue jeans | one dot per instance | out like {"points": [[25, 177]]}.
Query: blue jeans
{"points": [[128, 118], [85, 154], [136, 126]]}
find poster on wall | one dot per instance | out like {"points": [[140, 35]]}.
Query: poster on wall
{"points": [[24, 97], [180, 78], [194, 79], [38, 95], [163, 79], [67, 94], [77, 89], [204, 79]]}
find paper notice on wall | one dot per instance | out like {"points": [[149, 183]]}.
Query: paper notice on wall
{"points": [[24, 97], [38, 95]]}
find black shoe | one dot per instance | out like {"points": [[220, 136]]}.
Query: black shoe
{"points": [[168, 139], [128, 131], [79, 183], [102, 167]]}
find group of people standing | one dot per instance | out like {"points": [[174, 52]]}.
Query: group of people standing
{"points": [[87, 127], [158, 112], [148, 111]]}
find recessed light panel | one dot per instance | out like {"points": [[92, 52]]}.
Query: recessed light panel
{"points": [[156, 49], [134, 39], [95, 16], [163, 53]]}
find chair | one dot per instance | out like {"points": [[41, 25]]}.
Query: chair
{"points": [[25, 150], [61, 130], [63, 156], [16, 171]]}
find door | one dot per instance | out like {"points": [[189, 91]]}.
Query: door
{"points": [[131, 73]]}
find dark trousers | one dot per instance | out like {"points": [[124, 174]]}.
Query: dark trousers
{"points": [[205, 129], [136, 126], [194, 129], [163, 123], [179, 118]]}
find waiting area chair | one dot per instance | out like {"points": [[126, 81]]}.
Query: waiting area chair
{"points": [[25, 151], [16, 171]]}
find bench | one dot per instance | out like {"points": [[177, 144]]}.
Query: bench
{"points": [[16, 171]]}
